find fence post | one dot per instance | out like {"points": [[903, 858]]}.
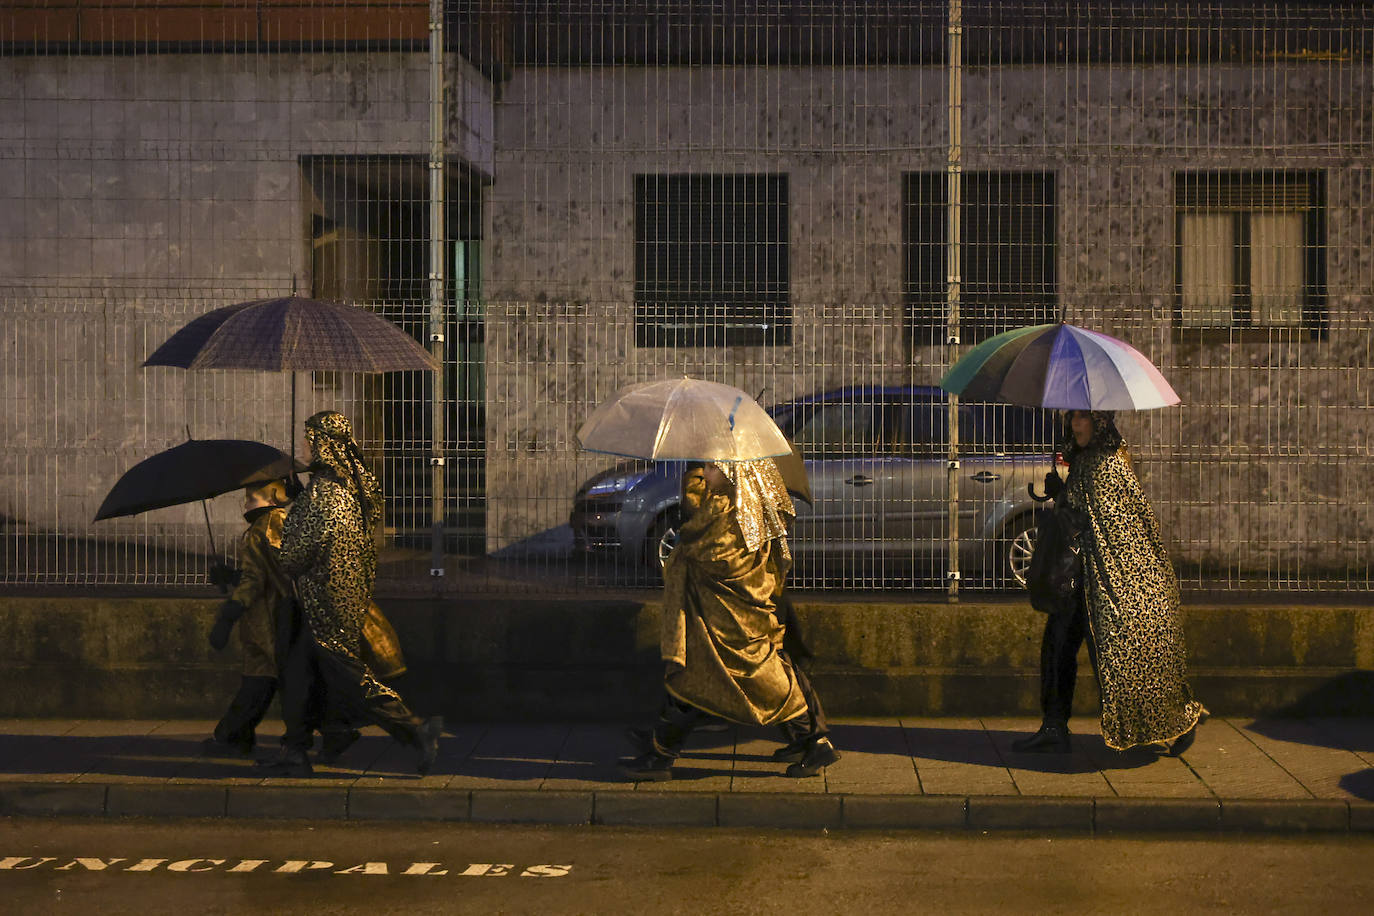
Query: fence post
{"points": [[953, 280], [436, 286]]}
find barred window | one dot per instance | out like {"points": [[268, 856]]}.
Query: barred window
{"points": [[711, 261], [1009, 276], [1250, 249]]}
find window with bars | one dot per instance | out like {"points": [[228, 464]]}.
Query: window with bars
{"points": [[711, 260], [1009, 276], [1250, 249]]}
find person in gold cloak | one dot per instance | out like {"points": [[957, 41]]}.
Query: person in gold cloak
{"points": [[720, 638], [1128, 612]]}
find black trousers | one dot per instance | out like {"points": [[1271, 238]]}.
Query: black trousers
{"points": [[1064, 634], [799, 654], [328, 690], [240, 722]]}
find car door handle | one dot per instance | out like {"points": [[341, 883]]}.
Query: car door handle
{"points": [[986, 477], [859, 480]]}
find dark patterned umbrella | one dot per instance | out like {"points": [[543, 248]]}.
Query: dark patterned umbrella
{"points": [[292, 334]]}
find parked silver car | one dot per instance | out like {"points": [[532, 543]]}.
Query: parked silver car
{"points": [[876, 459]]}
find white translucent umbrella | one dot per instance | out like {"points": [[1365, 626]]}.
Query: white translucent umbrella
{"points": [[683, 419]]}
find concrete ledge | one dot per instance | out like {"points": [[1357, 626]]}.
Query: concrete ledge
{"points": [[288, 802], [655, 809], [905, 812], [160, 800], [532, 807], [778, 810], [52, 799], [595, 658], [1139, 815], [1361, 816], [369, 804], [1285, 816], [1023, 812]]}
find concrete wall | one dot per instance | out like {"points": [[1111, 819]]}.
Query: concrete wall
{"points": [[141, 191], [482, 658], [1251, 472]]}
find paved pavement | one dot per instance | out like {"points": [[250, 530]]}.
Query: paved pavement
{"points": [[1276, 775]]}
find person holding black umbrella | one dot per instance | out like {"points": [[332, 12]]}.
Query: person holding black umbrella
{"points": [[329, 551], [254, 606]]}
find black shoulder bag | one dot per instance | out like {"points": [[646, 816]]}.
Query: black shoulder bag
{"points": [[1056, 568]]}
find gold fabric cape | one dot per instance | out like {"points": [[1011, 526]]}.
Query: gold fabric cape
{"points": [[720, 639], [1133, 606]]}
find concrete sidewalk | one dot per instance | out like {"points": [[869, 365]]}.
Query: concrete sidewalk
{"points": [[1277, 775]]}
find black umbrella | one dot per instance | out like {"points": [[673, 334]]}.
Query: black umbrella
{"points": [[198, 469]]}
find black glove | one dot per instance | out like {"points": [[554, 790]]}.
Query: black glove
{"points": [[224, 577], [229, 614], [1053, 485]]}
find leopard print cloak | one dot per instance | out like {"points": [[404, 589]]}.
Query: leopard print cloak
{"points": [[327, 549], [1133, 605]]}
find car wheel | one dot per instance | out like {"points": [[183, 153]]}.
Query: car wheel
{"points": [[1017, 545]]}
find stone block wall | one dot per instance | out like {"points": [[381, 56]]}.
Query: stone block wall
{"points": [[145, 190], [1252, 472]]}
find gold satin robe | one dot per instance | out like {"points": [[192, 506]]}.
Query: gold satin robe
{"points": [[720, 638], [1133, 606]]}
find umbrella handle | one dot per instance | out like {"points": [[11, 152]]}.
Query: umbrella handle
{"points": [[208, 530]]}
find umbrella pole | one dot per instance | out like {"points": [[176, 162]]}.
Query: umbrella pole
{"points": [[291, 430], [208, 530]]}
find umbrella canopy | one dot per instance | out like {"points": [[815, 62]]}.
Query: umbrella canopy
{"points": [[683, 419], [292, 334], [1059, 366], [197, 469], [793, 471]]}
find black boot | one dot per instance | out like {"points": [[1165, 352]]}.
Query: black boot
{"points": [[1051, 739], [333, 745], [647, 767], [797, 733], [819, 755], [289, 763]]}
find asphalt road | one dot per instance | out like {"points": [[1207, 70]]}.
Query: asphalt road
{"points": [[192, 867]]}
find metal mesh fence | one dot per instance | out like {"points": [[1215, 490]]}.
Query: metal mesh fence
{"points": [[823, 203]]}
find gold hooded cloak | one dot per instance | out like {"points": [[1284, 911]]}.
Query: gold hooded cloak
{"points": [[720, 638]]}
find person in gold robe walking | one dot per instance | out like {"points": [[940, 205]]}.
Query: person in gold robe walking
{"points": [[721, 641], [1129, 611]]}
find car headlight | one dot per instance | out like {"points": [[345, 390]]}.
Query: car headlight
{"points": [[617, 484]]}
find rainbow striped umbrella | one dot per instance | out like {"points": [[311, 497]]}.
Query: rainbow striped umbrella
{"points": [[1059, 366]]}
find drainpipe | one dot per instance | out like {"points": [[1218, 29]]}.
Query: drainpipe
{"points": [[436, 286], [953, 280]]}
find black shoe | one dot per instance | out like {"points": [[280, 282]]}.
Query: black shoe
{"points": [[213, 747], [429, 744], [650, 767], [1184, 741], [641, 739], [1051, 739], [334, 745], [818, 756], [792, 752], [712, 724], [288, 763]]}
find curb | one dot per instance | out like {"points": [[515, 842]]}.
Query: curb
{"points": [[1110, 815]]}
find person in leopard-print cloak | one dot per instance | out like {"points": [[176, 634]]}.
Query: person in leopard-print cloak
{"points": [[329, 551], [1129, 611]]}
